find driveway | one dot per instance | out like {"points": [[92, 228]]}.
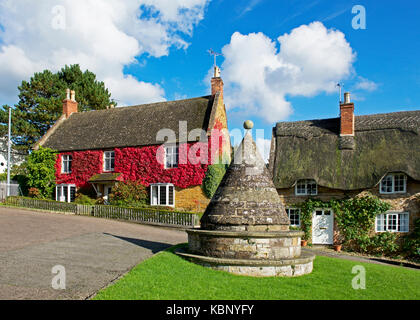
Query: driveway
{"points": [[92, 251]]}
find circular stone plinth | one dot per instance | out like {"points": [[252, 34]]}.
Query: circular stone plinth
{"points": [[245, 245], [257, 268]]}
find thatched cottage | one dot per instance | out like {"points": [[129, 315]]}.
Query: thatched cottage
{"points": [[344, 157]]}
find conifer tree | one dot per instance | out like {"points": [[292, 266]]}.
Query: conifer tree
{"points": [[40, 102]]}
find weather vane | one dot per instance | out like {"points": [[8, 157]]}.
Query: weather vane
{"points": [[214, 54]]}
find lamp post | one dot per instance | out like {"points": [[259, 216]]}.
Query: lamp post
{"points": [[8, 152]]}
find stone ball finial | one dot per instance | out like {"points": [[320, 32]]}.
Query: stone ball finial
{"points": [[248, 124]]}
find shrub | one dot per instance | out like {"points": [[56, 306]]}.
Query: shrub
{"points": [[384, 243], [356, 217], [41, 171], [164, 208], [84, 199], [129, 194], [214, 176], [34, 193], [411, 242]]}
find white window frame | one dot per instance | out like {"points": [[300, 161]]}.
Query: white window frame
{"points": [[66, 158], [109, 158], [385, 222], [159, 186], [298, 213], [171, 151], [306, 182], [393, 175], [61, 187]]}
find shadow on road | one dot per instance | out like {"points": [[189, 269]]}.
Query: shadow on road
{"points": [[151, 245]]}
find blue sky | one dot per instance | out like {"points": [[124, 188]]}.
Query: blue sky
{"points": [[154, 50], [387, 51]]}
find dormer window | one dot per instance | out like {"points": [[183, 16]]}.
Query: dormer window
{"points": [[306, 188], [66, 163], [393, 183], [109, 160]]}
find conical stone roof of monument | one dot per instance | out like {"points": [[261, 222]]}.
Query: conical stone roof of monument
{"points": [[246, 195]]}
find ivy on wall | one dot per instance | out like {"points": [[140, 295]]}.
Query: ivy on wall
{"points": [[355, 217], [146, 165], [85, 164], [138, 164]]}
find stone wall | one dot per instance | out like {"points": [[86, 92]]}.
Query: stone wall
{"points": [[284, 245], [191, 199]]}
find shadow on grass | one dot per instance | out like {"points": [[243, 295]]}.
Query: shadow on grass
{"points": [[153, 246]]}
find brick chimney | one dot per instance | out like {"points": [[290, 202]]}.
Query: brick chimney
{"points": [[69, 104], [217, 83], [347, 116]]}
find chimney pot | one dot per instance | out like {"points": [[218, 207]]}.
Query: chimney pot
{"points": [[70, 103], [216, 72], [346, 97]]}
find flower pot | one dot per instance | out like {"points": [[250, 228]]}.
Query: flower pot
{"points": [[337, 247], [303, 243]]}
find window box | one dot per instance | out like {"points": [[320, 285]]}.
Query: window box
{"points": [[392, 222], [162, 194]]}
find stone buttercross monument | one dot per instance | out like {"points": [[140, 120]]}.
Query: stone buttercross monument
{"points": [[245, 228]]}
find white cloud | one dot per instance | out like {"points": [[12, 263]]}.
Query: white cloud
{"points": [[249, 7], [259, 77], [101, 35], [365, 84]]}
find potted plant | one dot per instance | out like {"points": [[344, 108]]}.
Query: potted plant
{"points": [[337, 247], [303, 242]]}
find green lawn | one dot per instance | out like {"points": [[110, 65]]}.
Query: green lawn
{"points": [[167, 276]]}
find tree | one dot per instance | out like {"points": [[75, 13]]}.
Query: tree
{"points": [[41, 171], [40, 102]]}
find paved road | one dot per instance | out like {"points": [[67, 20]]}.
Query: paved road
{"points": [[93, 251]]}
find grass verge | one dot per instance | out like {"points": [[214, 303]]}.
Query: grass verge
{"points": [[167, 276]]}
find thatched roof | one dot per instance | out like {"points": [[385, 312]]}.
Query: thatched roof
{"points": [[128, 126], [312, 149], [246, 195]]}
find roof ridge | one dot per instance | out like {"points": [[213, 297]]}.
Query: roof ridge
{"points": [[143, 105], [415, 112], [390, 113]]}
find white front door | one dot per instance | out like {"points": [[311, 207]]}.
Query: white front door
{"points": [[322, 226]]}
